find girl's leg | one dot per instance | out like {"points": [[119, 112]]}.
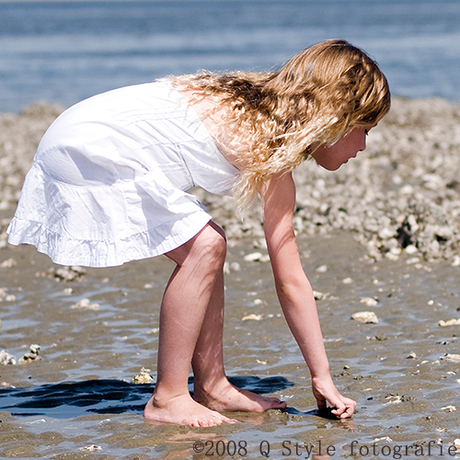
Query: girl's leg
{"points": [[191, 327], [183, 309], [211, 387]]}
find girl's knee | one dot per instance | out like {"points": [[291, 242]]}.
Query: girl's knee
{"points": [[213, 245], [208, 247]]}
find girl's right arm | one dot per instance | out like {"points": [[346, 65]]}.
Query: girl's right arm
{"points": [[295, 292]]}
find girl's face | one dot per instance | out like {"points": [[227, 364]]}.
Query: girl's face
{"points": [[334, 156]]}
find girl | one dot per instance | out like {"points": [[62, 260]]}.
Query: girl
{"points": [[109, 183]]}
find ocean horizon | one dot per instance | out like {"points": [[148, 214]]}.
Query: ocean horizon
{"points": [[64, 51]]}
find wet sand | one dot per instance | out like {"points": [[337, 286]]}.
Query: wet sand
{"points": [[79, 399]]}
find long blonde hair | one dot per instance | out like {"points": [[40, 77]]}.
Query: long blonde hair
{"points": [[317, 97]]}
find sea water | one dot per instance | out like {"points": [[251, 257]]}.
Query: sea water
{"points": [[62, 52]]}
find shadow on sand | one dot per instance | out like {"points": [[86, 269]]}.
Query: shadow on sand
{"points": [[73, 399]]}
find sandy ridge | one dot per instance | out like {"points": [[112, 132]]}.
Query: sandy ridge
{"points": [[401, 194]]}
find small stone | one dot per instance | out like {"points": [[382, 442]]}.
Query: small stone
{"points": [[67, 273], [451, 357], [7, 358], [235, 266], [319, 295], [365, 317], [386, 233], [347, 280], [369, 301], [322, 269], [253, 257], [143, 376], [252, 316], [85, 304], [92, 448], [390, 255], [450, 322], [8, 263], [406, 190], [413, 261], [456, 443], [394, 399], [411, 249], [449, 408], [411, 355], [32, 355], [385, 439]]}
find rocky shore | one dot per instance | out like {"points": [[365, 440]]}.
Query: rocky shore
{"points": [[400, 196]]}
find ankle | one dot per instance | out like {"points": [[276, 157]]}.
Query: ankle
{"points": [[161, 398], [210, 387]]}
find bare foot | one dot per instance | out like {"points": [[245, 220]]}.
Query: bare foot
{"points": [[183, 410], [226, 397]]}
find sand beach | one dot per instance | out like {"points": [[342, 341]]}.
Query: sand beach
{"points": [[380, 236]]}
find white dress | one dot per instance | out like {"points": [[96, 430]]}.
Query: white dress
{"points": [[110, 178]]}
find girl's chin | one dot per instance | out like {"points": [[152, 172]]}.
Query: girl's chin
{"points": [[331, 167]]}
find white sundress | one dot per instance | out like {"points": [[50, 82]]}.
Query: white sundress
{"points": [[110, 178]]}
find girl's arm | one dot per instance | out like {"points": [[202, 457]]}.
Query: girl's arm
{"points": [[295, 292]]}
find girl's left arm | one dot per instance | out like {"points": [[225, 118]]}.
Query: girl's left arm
{"points": [[295, 292]]}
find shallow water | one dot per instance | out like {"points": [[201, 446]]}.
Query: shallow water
{"points": [[81, 392], [63, 52]]}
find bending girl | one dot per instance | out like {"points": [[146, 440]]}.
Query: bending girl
{"points": [[109, 185]]}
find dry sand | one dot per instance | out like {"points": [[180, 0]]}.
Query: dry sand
{"points": [[379, 235]]}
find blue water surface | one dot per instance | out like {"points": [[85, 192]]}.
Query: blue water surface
{"points": [[62, 52]]}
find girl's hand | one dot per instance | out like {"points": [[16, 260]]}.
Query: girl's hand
{"points": [[325, 391]]}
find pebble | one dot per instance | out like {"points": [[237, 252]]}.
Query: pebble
{"points": [[252, 316], [450, 322], [143, 376], [385, 439], [452, 357], [8, 263], [85, 305], [411, 249], [64, 273], [394, 399], [33, 355], [365, 317], [256, 257], [319, 295], [369, 301], [7, 358], [91, 448], [449, 408]]}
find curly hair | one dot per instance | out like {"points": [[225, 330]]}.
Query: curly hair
{"points": [[281, 117]]}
